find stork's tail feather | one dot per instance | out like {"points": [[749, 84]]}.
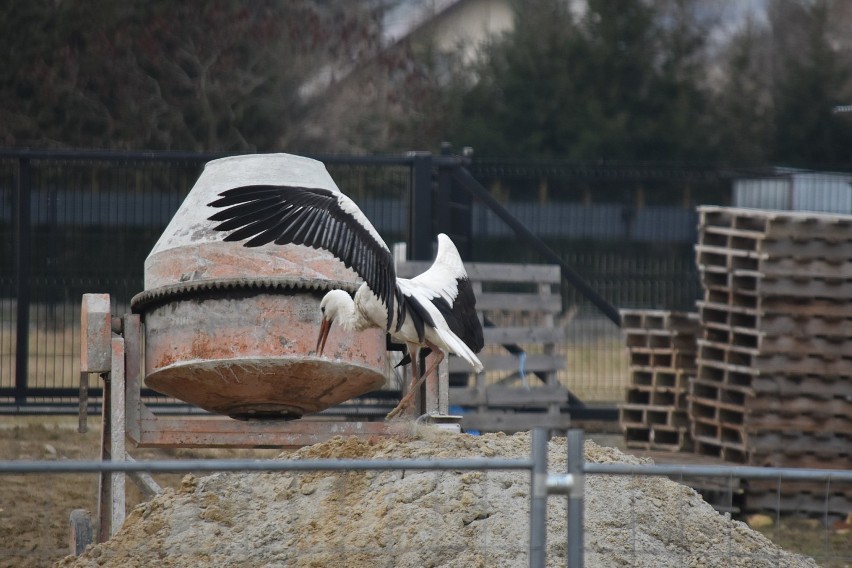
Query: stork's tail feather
{"points": [[458, 347]]}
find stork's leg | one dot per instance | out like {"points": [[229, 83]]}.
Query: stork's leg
{"points": [[414, 352], [417, 381]]}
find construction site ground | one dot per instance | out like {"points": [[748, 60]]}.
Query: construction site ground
{"points": [[35, 508]]}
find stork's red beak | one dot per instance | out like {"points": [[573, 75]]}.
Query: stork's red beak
{"points": [[323, 335]]}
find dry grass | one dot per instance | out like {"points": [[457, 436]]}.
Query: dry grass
{"points": [[54, 357], [597, 372]]}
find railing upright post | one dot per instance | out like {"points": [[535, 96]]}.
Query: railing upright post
{"points": [[23, 234], [538, 499], [575, 498], [420, 209]]}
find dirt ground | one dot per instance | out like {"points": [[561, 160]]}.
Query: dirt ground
{"points": [[35, 509]]}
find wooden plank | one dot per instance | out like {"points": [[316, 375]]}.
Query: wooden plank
{"points": [[722, 256], [788, 325], [804, 365], [511, 335], [820, 488], [514, 422], [658, 320], [519, 273], [794, 443], [792, 267], [651, 415], [836, 289], [657, 396], [801, 461], [797, 385], [221, 432], [519, 302], [775, 223], [809, 307], [661, 378], [806, 346], [725, 373], [807, 249], [657, 437], [716, 235], [493, 272], [509, 396], [534, 363], [809, 424], [817, 505]]}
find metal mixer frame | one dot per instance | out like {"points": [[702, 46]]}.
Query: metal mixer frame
{"points": [[114, 348]]}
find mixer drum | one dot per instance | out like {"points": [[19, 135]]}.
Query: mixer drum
{"points": [[232, 329]]}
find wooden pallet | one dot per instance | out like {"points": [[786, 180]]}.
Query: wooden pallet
{"points": [[823, 499], [673, 322], [818, 386], [776, 224], [792, 500], [642, 415], [661, 352], [649, 427], [641, 395], [772, 324], [663, 438], [736, 301], [663, 358], [661, 377], [775, 352]]}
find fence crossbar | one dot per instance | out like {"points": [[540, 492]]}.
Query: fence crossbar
{"points": [[749, 472], [213, 465]]}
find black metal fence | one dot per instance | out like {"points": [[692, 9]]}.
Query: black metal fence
{"points": [[76, 222]]}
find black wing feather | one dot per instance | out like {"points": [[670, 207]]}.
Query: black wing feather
{"points": [[461, 316], [312, 217]]}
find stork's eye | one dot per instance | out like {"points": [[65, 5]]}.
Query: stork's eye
{"points": [[322, 309]]}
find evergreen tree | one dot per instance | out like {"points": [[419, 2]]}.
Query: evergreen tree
{"points": [[621, 81], [743, 110], [163, 75], [811, 78]]}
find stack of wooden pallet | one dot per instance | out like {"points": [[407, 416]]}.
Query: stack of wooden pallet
{"points": [[661, 348], [774, 381]]}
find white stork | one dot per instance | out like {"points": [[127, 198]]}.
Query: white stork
{"points": [[435, 310]]}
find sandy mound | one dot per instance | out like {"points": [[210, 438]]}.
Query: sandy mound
{"points": [[418, 519]]}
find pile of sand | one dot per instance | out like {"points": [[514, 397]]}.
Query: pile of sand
{"points": [[418, 519]]}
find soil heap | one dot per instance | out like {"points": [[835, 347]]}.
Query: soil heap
{"points": [[400, 519]]}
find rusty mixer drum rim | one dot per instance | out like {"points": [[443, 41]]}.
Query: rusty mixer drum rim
{"points": [[156, 297]]}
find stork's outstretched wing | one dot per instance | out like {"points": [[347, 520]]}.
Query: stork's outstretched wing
{"points": [[448, 286], [318, 218]]}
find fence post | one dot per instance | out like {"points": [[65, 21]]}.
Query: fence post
{"points": [[22, 284], [538, 499], [575, 498], [420, 208]]}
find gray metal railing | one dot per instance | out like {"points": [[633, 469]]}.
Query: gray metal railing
{"points": [[543, 483]]}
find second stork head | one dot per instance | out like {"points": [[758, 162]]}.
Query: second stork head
{"points": [[337, 305]]}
